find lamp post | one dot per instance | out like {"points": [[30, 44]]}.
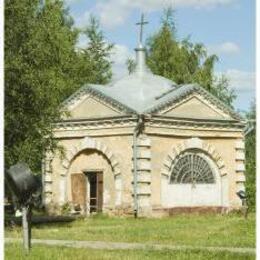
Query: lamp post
{"points": [[242, 195], [23, 184]]}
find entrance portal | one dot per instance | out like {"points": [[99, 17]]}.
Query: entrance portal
{"points": [[95, 181]]}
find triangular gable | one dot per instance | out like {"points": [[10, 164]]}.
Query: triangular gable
{"points": [[193, 101], [91, 107], [195, 107], [90, 103]]}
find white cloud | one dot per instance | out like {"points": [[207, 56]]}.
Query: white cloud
{"points": [[228, 48], [153, 5], [119, 56], [241, 81], [120, 53], [82, 41], [114, 13]]}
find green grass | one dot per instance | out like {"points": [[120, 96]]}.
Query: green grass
{"points": [[197, 230], [15, 251]]}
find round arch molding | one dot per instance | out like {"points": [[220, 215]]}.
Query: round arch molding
{"points": [[193, 143], [90, 143]]}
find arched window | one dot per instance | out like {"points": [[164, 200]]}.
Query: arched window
{"points": [[190, 167]]}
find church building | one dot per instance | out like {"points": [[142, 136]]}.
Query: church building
{"points": [[146, 146]]}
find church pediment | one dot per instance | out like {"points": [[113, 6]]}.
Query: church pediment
{"points": [[192, 101], [195, 107], [89, 103], [92, 107]]}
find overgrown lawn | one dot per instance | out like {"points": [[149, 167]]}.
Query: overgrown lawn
{"points": [[197, 230], [15, 251]]}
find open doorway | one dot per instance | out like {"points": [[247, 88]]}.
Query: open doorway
{"points": [[95, 182]]}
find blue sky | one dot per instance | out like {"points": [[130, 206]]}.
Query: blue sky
{"points": [[226, 27]]}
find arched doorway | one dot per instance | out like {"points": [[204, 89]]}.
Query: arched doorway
{"points": [[91, 182], [194, 181]]}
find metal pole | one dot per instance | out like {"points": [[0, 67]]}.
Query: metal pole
{"points": [[137, 131], [244, 208], [135, 174], [26, 228]]}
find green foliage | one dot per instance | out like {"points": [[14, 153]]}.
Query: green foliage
{"points": [[96, 55], [39, 51], [250, 145], [131, 64], [184, 62], [42, 69], [65, 209]]}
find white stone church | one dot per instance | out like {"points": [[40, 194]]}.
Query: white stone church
{"points": [[144, 145]]}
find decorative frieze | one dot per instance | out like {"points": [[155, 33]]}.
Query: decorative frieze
{"points": [[99, 123]]}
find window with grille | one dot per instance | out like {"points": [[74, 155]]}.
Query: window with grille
{"points": [[191, 168]]}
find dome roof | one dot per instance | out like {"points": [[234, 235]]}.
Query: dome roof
{"points": [[139, 91]]}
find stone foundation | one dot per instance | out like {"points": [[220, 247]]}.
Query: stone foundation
{"points": [[164, 212]]}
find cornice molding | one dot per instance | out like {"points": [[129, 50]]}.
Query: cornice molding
{"points": [[95, 123], [162, 121], [150, 121]]}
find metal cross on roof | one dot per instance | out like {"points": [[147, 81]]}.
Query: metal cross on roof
{"points": [[141, 23]]}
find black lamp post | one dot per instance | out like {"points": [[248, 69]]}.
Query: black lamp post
{"points": [[242, 195], [23, 184]]}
